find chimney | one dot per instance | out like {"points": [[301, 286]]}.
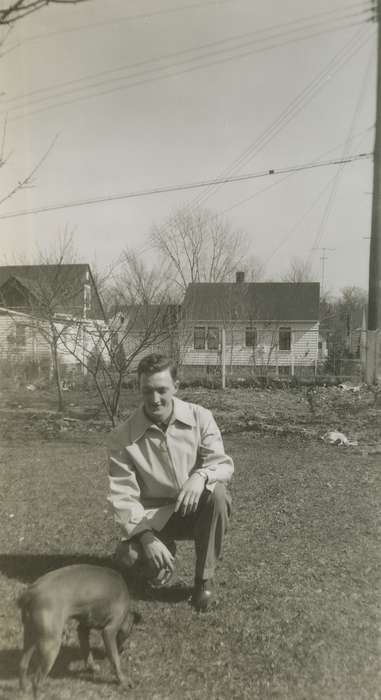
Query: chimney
{"points": [[239, 277]]}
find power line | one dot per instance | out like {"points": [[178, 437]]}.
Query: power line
{"points": [[173, 72], [185, 186], [293, 108], [221, 42], [283, 179], [117, 20], [341, 58], [96, 25], [336, 182]]}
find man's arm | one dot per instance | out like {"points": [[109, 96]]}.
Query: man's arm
{"points": [[213, 465], [125, 493], [129, 512]]}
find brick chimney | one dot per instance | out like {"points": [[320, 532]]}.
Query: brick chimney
{"points": [[239, 277]]}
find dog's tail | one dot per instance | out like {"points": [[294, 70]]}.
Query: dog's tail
{"points": [[24, 599]]}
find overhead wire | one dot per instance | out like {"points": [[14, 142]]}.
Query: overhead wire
{"points": [[295, 106], [292, 174], [128, 83], [298, 103], [117, 20], [336, 182], [278, 182], [205, 3], [220, 42], [184, 186]]}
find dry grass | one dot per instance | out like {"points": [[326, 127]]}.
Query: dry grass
{"points": [[298, 608]]}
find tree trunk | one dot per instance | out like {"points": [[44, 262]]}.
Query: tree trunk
{"points": [[57, 371]]}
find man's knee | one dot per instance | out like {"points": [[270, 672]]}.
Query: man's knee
{"points": [[220, 500]]}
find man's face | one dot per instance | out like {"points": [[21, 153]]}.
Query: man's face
{"points": [[157, 391]]}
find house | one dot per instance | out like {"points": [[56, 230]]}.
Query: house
{"points": [[257, 327], [40, 303]]}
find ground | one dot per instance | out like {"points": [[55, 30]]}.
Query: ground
{"points": [[297, 615]]}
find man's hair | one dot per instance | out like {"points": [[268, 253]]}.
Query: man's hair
{"points": [[157, 363]]}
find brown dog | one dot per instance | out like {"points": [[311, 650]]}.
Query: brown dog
{"points": [[95, 596]]}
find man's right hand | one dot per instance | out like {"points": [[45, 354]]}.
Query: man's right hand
{"points": [[156, 553]]}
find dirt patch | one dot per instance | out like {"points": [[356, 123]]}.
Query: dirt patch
{"points": [[304, 412]]}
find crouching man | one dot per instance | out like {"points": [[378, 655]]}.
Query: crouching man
{"points": [[168, 471]]}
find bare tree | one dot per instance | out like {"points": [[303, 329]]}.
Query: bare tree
{"points": [[14, 12], [116, 348], [143, 283], [299, 270], [144, 318], [21, 8], [51, 297], [200, 246]]}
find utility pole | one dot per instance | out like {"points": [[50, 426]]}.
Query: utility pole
{"points": [[373, 355], [223, 358], [323, 258]]}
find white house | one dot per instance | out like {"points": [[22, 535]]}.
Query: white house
{"points": [[264, 327]]}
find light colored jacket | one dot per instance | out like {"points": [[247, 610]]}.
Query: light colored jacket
{"points": [[149, 467]]}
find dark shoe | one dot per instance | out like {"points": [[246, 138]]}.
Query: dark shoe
{"points": [[202, 595]]}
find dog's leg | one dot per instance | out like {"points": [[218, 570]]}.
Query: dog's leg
{"points": [[109, 638], [84, 644], [48, 648], [28, 650], [124, 632]]}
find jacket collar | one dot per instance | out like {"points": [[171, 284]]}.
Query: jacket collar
{"points": [[140, 423]]}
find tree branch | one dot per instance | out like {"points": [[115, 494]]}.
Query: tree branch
{"points": [[17, 10]]}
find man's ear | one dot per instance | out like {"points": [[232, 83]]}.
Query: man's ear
{"points": [[177, 384]]}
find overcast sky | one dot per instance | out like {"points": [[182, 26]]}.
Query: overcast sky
{"points": [[145, 94]]}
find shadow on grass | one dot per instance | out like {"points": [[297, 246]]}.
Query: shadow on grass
{"points": [[10, 659], [28, 567]]}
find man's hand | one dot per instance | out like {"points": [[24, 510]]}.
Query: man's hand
{"points": [[189, 495], [157, 554]]}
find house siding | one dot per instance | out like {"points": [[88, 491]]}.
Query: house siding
{"points": [[35, 346], [303, 351]]}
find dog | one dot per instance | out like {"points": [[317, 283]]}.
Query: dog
{"points": [[97, 597]]}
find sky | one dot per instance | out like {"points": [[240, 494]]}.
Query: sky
{"points": [[136, 95]]}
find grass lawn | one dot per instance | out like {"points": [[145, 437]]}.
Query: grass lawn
{"points": [[298, 591]]}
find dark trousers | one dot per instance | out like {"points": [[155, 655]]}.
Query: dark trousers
{"points": [[206, 527]]}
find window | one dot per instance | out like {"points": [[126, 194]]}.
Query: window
{"points": [[206, 338], [87, 296], [20, 334], [251, 337], [213, 338], [284, 371], [199, 338], [284, 338]]}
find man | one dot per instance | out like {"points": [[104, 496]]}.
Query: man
{"points": [[168, 471]]}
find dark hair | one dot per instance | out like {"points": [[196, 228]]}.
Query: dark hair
{"points": [[157, 363]]}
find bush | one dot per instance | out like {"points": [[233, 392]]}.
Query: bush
{"points": [[19, 372]]}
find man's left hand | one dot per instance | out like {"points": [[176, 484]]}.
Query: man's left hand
{"points": [[189, 495]]}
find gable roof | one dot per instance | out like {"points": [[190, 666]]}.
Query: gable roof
{"points": [[40, 278], [252, 301]]}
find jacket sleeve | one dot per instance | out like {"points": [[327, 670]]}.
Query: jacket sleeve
{"points": [[212, 458], [125, 493]]}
